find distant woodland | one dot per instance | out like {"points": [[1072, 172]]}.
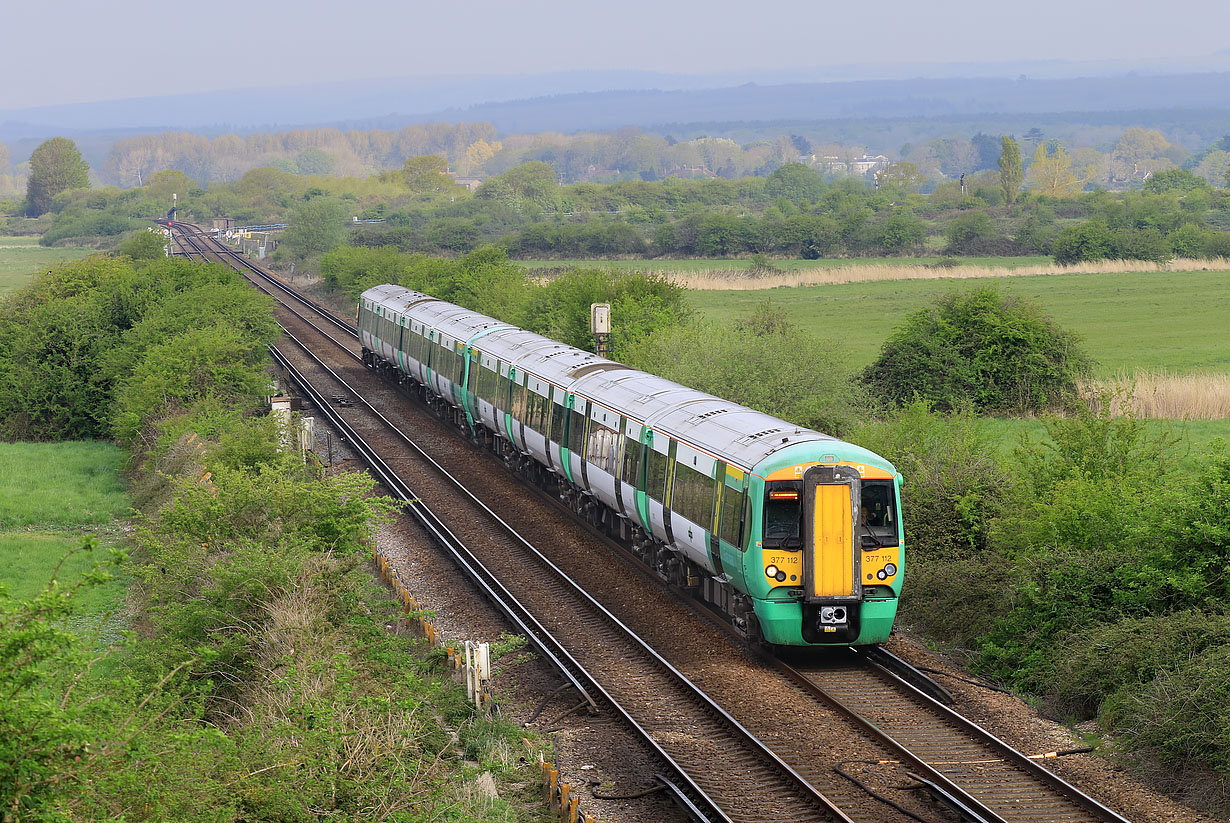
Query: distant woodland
{"points": [[1103, 155]]}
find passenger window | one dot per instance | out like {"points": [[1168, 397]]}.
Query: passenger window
{"points": [[692, 497], [732, 515], [558, 415], [655, 476], [632, 462], [519, 402], [486, 383], [602, 447], [502, 399], [576, 431]]}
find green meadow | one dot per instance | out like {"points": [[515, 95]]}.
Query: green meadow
{"points": [[52, 496], [22, 257], [1173, 321]]}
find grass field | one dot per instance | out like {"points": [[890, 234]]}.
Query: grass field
{"points": [[52, 495], [1178, 322], [739, 264], [22, 257], [1195, 437]]}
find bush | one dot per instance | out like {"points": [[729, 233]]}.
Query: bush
{"points": [[641, 304], [1116, 659], [797, 377], [955, 480], [143, 245], [1083, 243], [1094, 240], [967, 232], [955, 486], [982, 351]]}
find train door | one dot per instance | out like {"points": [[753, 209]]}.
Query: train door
{"points": [[831, 558], [470, 381], [632, 484], [657, 457], [557, 421], [517, 407]]}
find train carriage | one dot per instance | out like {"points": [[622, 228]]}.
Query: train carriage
{"points": [[793, 535]]}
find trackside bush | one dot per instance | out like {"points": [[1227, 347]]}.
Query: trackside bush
{"points": [[980, 350], [955, 486], [799, 378]]}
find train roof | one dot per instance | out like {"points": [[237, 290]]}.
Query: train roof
{"points": [[738, 434]]}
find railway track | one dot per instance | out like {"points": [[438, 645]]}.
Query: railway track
{"points": [[974, 775]]}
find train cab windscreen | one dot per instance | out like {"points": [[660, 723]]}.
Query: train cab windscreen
{"points": [[879, 514], [783, 515]]}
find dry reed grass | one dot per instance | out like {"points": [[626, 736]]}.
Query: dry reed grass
{"points": [[1201, 396], [745, 280]]}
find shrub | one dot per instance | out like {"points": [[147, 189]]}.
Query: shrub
{"points": [[797, 377], [641, 304], [1119, 658], [1082, 243], [955, 480], [981, 350], [967, 232]]}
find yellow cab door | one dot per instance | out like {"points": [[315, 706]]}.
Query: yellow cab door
{"points": [[831, 560]]}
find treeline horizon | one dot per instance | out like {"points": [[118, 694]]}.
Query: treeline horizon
{"points": [[1108, 154]]}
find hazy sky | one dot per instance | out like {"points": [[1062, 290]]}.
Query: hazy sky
{"points": [[70, 51]]}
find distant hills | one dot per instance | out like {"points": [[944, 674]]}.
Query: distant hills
{"points": [[579, 101]]}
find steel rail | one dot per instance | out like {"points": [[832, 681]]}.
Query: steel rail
{"points": [[696, 795], [980, 806]]}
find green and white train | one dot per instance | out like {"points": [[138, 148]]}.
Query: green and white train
{"points": [[793, 535]]}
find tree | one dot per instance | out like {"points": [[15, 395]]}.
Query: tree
{"points": [[1174, 180], [315, 160], [794, 182], [532, 186], [1052, 174], [315, 227], [1010, 171], [981, 350], [1084, 242], [987, 149], [1215, 168], [1139, 152], [55, 166], [4, 159], [144, 245], [800, 377], [426, 174], [903, 175]]}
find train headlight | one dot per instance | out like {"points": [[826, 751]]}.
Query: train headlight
{"points": [[890, 569], [770, 571]]}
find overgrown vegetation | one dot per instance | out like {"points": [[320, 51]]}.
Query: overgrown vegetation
{"points": [[486, 281], [1089, 571], [257, 680]]}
